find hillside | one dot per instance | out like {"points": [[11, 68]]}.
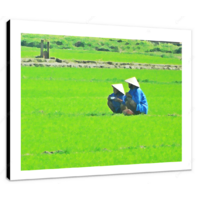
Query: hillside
{"points": [[104, 44]]}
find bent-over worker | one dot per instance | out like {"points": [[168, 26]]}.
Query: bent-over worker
{"points": [[117, 98], [135, 99]]}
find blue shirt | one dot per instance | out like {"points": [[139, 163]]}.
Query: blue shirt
{"points": [[116, 104], [140, 99]]}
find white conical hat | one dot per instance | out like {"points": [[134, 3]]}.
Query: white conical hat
{"points": [[133, 81], [119, 87]]}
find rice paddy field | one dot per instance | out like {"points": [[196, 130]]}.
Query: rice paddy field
{"points": [[102, 49], [65, 120], [150, 58]]}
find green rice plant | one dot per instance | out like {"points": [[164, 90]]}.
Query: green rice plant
{"points": [[68, 54], [65, 120]]}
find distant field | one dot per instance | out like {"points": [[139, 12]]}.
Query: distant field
{"points": [[31, 52], [102, 44], [66, 109]]}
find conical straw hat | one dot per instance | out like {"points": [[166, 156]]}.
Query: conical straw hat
{"points": [[119, 87], [133, 81]]}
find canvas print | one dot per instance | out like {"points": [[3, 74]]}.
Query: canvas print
{"points": [[94, 101]]}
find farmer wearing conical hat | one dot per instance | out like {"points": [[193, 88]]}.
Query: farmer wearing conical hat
{"points": [[117, 98], [135, 99]]}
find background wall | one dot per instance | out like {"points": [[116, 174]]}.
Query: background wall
{"points": [[171, 22]]}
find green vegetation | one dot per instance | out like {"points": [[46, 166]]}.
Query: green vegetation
{"points": [[66, 109], [103, 49], [28, 52], [99, 44]]}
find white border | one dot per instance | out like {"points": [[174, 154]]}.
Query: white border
{"points": [[18, 27]]}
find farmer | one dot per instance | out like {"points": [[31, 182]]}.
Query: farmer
{"points": [[135, 99], [117, 98]]}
